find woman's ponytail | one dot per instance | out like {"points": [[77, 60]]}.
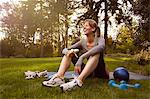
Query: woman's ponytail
{"points": [[98, 32]]}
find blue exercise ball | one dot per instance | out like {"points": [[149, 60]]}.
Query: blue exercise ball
{"points": [[120, 74]]}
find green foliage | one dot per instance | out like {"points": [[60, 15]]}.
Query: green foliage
{"points": [[5, 48], [125, 40], [141, 9], [110, 47], [143, 57], [13, 48], [119, 9], [48, 19]]}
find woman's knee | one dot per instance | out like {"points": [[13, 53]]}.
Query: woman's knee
{"points": [[66, 56], [94, 59]]}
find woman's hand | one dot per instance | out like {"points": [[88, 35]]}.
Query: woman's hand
{"points": [[70, 53], [77, 69]]}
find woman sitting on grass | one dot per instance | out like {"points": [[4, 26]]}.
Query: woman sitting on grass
{"points": [[92, 48]]}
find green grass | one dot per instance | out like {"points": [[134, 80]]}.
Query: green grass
{"points": [[14, 86]]}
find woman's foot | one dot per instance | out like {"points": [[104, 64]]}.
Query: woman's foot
{"points": [[70, 85], [54, 81]]}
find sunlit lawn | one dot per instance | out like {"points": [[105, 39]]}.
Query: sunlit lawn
{"points": [[13, 85]]}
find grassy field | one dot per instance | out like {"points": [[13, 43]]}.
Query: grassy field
{"points": [[13, 85]]}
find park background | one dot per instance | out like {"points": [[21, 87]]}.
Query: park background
{"points": [[34, 32]]}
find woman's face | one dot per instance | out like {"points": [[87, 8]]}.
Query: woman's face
{"points": [[87, 28]]}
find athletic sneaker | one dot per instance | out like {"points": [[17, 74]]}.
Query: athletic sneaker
{"points": [[54, 81], [70, 85]]}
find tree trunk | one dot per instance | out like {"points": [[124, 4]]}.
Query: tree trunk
{"points": [[59, 44], [106, 19], [66, 35], [41, 52]]}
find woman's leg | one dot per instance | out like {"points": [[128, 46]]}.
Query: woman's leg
{"points": [[58, 78], [64, 65], [101, 70], [89, 67]]}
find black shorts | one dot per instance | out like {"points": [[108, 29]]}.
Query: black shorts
{"points": [[100, 70]]}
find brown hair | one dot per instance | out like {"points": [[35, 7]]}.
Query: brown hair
{"points": [[98, 31], [92, 23]]}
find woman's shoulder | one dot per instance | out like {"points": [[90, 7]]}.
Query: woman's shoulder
{"points": [[83, 39], [101, 40]]}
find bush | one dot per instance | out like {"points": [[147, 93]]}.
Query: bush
{"points": [[143, 57]]}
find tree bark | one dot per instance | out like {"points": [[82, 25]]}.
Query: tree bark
{"points": [[106, 20], [41, 52]]}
